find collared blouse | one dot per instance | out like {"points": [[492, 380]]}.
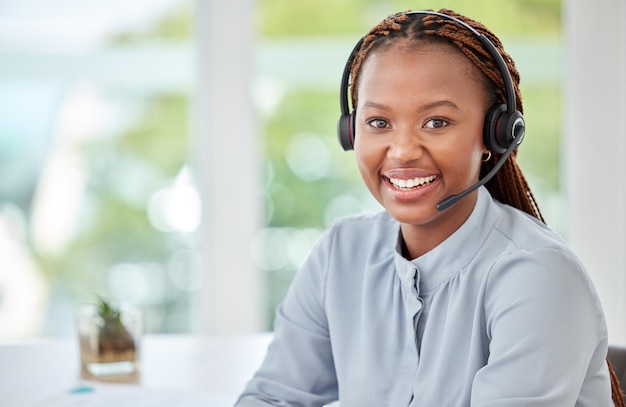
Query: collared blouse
{"points": [[501, 313]]}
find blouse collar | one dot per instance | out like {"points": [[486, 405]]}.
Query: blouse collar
{"points": [[451, 255]]}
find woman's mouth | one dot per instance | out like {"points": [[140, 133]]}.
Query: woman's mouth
{"points": [[410, 183]]}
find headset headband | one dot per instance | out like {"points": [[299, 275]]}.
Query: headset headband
{"points": [[511, 100]]}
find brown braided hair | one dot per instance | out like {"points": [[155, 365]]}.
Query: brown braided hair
{"points": [[509, 185]]}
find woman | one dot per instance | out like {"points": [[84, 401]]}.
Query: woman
{"points": [[457, 294]]}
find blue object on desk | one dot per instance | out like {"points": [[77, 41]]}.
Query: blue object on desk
{"points": [[82, 390]]}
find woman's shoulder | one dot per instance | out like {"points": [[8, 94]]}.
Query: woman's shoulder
{"points": [[521, 244], [532, 255], [371, 232], [525, 231], [379, 221]]}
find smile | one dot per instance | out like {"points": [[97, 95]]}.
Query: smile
{"points": [[412, 182]]}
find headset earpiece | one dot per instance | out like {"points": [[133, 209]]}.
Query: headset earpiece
{"points": [[490, 129], [345, 131], [502, 128], [345, 125]]}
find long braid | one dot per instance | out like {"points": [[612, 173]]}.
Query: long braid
{"points": [[509, 185]]}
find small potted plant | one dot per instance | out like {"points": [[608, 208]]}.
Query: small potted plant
{"points": [[109, 342]]}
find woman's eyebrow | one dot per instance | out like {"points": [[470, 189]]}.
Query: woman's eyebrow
{"points": [[439, 103], [428, 106], [376, 105]]}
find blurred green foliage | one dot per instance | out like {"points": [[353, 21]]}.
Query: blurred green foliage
{"points": [[123, 172], [175, 26], [161, 137], [284, 18], [539, 155], [303, 111]]}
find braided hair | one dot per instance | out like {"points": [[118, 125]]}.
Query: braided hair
{"points": [[509, 185]]}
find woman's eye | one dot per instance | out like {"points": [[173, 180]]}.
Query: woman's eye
{"points": [[378, 123], [435, 123]]}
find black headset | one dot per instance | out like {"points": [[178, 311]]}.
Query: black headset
{"points": [[504, 125]]}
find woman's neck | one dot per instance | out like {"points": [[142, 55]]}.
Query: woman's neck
{"points": [[420, 239]]}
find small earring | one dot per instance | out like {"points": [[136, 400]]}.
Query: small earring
{"points": [[486, 156]]}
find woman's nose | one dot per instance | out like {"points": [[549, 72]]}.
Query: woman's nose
{"points": [[406, 145]]}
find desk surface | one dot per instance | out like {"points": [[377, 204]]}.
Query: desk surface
{"points": [[216, 365]]}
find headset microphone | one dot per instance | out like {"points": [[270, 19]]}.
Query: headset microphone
{"points": [[452, 199], [504, 125]]}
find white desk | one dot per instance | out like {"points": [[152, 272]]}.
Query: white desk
{"points": [[216, 365]]}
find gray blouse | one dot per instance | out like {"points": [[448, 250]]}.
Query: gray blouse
{"points": [[501, 313]]}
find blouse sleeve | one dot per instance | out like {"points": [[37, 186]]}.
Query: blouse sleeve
{"points": [[298, 368], [547, 334]]}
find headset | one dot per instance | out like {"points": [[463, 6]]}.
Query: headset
{"points": [[504, 126]]}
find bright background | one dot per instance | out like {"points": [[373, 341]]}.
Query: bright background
{"points": [[103, 155]]}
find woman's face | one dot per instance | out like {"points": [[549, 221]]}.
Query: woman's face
{"points": [[419, 122]]}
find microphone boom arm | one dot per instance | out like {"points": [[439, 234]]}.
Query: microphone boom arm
{"points": [[452, 199]]}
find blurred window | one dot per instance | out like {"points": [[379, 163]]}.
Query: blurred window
{"points": [[96, 196]]}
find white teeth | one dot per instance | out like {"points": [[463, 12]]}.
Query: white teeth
{"points": [[412, 182]]}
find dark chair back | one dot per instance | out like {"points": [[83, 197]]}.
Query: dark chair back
{"points": [[617, 356]]}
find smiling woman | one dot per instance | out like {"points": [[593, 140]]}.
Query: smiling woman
{"points": [[427, 304]]}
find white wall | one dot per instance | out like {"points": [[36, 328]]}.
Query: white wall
{"points": [[226, 155], [595, 147]]}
